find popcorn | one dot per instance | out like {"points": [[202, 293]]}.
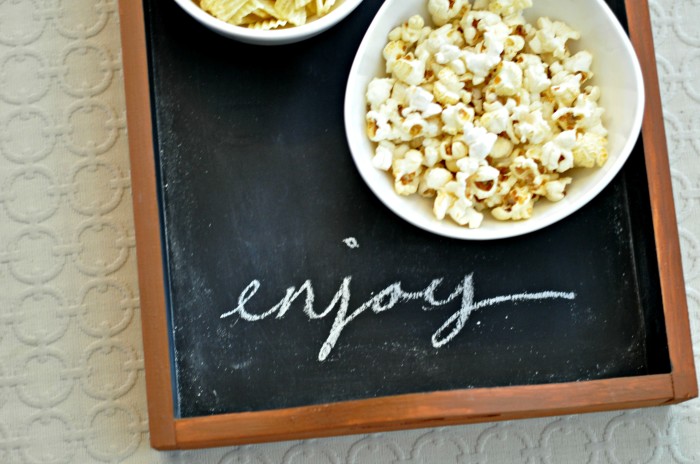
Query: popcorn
{"points": [[552, 38], [468, 166], [379, 91], [484, 182], [419, 99], [557, 154], [437, 178], [556, 190], [585, 115], [526, 171], [502, 148], [590, 150], [447, 88], [458, 66], [496, 119], [431, 153], [443, 11], [413, 126], [378, 127], [580, 63], [392, 52], [412, 30], [480, 64], [443, 203], [513, 45], [452, 150], [535, 74], [508, 79], [484, 113], [448, 53], [518, 205], [409, 70], [530, 126], [566, 88], [406, 170], [464, 214], [454, 117], [480, 141], [383, 155], [495, 36], [509, 7]]}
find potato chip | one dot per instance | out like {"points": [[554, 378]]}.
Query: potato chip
{"points": [[267, 14], [246, 10], [311, 9], [251, 19], [223, 9], [266, 6], [327, 5], [269, 24], [288, 10]]}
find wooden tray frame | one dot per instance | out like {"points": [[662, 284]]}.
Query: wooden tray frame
{"points": [[403, 411]]}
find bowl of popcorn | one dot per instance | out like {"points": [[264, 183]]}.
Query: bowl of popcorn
{"points": [[488, 119], [269, 22]]}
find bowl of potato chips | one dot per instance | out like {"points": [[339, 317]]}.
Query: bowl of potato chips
{"points": [[269, 22]]}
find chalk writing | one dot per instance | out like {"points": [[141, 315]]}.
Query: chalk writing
{"points": [[351, 242], [384, 300]]}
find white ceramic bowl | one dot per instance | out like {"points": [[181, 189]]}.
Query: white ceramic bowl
{"points": [[617, 73], [272, 37]]}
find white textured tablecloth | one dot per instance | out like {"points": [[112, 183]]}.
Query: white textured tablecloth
{"points": [[71, 361]]}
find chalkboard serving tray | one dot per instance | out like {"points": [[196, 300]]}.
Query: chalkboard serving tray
{"points": [[245, 196]]}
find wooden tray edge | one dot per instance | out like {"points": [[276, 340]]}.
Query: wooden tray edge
{"points": [[673, 292], [424, 410], [147, 225], [405, 411]]}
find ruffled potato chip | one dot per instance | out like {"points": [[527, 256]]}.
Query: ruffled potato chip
{"points": [[223, 9], [247, 10], [288, 10], [325, 6], [267, 14], [269, 24]]}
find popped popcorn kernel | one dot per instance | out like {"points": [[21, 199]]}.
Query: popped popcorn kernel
{"points": [[442, 11], [555, 190], [509, 7], [552, 37], [508, 79], [379, 91], [409, 70], [590, 150], [383, 155]]}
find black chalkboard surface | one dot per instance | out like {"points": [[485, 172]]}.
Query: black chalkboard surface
{"points": [[258, 194]]}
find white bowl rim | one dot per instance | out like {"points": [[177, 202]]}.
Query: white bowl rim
{"points": [[273, 35], [515, 228]]}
